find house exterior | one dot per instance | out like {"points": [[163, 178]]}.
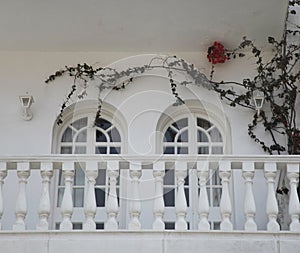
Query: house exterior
{"points": [[148, 176]]}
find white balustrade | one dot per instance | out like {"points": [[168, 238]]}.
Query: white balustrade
{"points": [[67, 202], [23, 172], [91, 173], [3, 174], [294, 205], [158, 205], [203, 204], [44, 206], [272, 206], [249, 202], [199, 213], [180, 202], [225, 204], [112, 207], [135, 204]]}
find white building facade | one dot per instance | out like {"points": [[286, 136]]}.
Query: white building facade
{"points": [[149, 176], [152, 174]]}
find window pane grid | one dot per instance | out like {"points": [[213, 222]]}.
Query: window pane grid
{"points": [[74, 141]]}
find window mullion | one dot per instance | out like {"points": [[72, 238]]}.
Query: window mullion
{"points": [[192, 134]]}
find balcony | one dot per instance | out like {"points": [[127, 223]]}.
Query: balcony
{"points": [[33, 221]]}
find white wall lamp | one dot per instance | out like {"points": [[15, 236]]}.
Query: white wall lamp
{"points": [[26, 102], [259, 98]]}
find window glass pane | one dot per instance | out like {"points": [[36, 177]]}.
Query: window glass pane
{"points": [[217, 150], [201, 136], [203, 123], [81, 137], [215, 135], [100, 180], [100, 225], [169, 150], [100, 137], [169, 225], [181, 123], [101, 150], [79, 177], [203, 150], [100, 197], [60, 195], [187, 196], [169, 178], [118, 196], [215, 178], [77, 226], [216, 225], [186, 180], [78, 197], [182, 150], [216, 196], [170, 135], [102, 123], [114, 135], [78, 124], [208, 189], [61, 181], [115, 150], [183, 137], [169, 196], [80, 150], [66, 150], [68, 135]]}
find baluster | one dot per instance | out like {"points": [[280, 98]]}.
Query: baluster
{"points": [[249, 203], [23, 172], [90, 206], [67, 202], [158, 205], [225, 204], [3, 174], [135, 205], [112, 207], [180, 203], [272, 207], [44, 206], [203, 204], [294, 206]]}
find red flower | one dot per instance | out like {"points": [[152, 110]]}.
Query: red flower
{"points": [[216, 53]]}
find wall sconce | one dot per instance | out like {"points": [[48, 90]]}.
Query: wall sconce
{"points": [[26, 102], [258, 97]]}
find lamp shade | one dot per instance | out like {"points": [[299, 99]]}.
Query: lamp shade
{"points": [[258, 97], [26, 101]]}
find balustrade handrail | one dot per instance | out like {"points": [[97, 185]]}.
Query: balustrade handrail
{"points": [[234, 159], [248, 164]]}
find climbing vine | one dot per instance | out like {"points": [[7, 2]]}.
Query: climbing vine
{"points": [[277, 78], [109, 78]]}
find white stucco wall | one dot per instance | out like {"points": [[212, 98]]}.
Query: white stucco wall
{"points": [[22, 72], [141, 104]]}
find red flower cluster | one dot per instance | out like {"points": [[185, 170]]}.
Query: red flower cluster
{"points": [[216, 53]]}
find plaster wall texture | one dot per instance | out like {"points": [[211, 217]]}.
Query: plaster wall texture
{"points": [[149, 242], [147, 98], [141, 105]]}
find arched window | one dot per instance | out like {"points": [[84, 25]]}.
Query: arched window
{"points": [[197, 135], [82, 136], [192, 135]]}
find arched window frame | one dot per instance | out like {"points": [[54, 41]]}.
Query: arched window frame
{"points": [[73, 113], [207, 111], [217, 118], [81, 109]]}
